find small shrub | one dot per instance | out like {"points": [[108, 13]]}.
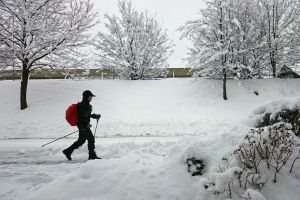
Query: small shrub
{"points": [[195, 166], [264, 152], [268, 147]]}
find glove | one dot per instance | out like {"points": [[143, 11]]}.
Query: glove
{"points": [[96, 116]]}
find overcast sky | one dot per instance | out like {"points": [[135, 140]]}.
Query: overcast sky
{"points": [[171, 14]]}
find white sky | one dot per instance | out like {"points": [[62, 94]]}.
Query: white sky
{"points": [[171, 14]]}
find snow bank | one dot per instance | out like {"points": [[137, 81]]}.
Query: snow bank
{"points": [[134, 176], [272, 108], [253, 194], [147, 170], [277, 106]]}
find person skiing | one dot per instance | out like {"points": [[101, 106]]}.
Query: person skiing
{"points": [[84, 110]]}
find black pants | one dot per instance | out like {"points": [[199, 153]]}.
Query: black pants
{"points": [[84, 134]]}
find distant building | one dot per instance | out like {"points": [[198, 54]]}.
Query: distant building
{"points": [[287, 72]]}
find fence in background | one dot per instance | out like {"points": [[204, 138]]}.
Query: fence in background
{"points": [[82, 73]]}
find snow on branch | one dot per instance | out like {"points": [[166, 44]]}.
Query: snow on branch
{"points": [[33, 30], [254, 37]]}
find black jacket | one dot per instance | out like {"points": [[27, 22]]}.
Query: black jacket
{"points": [[84, 110]]}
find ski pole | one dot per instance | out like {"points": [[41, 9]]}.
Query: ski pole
{"points": [[59, 138], [96, 128]]}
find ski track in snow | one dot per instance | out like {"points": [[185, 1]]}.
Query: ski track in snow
{"points": [[22, 171]]}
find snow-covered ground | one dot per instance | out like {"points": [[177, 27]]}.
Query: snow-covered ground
{"points": [[179, 117], [133, 108]]}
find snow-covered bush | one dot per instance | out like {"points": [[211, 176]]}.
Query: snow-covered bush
{"points": [[265, 149], [286, 110], [253, 194], [195, 166], [264, 153], [191, 157], [289, 116], [220, 185]]}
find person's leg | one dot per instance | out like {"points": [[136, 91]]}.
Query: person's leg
{"points": [[81, 140], [91, 140], [91, 145]]}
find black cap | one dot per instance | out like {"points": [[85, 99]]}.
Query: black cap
{"points": [[87, 93]]}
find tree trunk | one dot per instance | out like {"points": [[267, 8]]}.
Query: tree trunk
{"points": [[224, 84], [134, 73], [133, 76], [273, 64], [24, 83], [223, 56]]}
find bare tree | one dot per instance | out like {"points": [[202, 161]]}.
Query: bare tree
{"points": [[135, 44], [38, 30]]}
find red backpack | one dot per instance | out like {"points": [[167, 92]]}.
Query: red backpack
{"points": [[71, 115]]}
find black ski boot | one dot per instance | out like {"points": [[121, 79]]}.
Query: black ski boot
{"points": [[93, 155], [68, 152]]}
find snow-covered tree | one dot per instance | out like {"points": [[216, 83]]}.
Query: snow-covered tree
{"points": [[243, 38], [39, 32], [6, 57], [248, 46], [135, 46], [281, 22], [211, 41]]}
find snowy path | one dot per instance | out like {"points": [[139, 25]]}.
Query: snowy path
{"points": [[132, 168], [26, 167]]}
